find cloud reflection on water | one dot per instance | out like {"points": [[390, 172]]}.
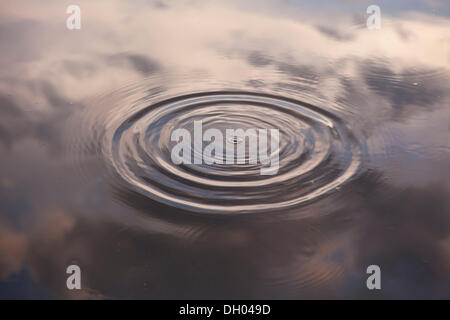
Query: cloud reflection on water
{"points": [[392, 85]]}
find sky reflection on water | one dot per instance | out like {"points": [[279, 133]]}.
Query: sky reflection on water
{"points": [[59, 204]]}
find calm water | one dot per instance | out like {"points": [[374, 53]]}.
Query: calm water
{"points": [[87, 177]]}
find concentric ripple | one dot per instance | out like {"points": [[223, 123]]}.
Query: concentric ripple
{"points": [[317, 152]]}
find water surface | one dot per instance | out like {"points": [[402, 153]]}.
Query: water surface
{"points": [[364, 149]]}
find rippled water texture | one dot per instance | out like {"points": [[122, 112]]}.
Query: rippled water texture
{"points": [[362, 153], [316, 152]]}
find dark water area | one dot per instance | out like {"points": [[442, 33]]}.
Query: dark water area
{"points": [[362, 160]]}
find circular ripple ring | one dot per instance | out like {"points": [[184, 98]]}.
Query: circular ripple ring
{"points": [[317, 152]]}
